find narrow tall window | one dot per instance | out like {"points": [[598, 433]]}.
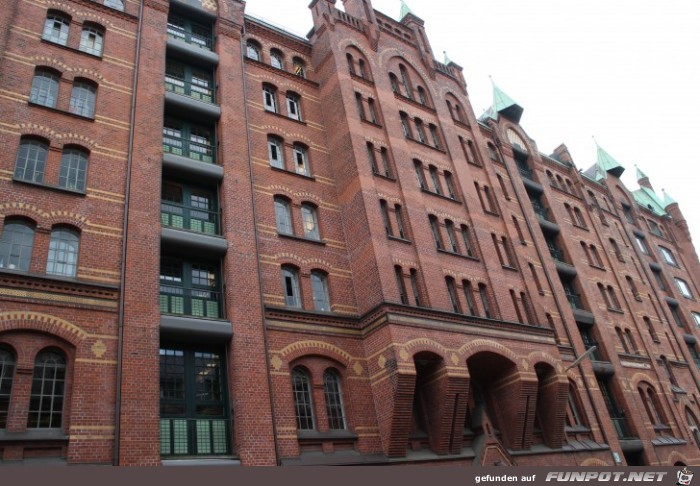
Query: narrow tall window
{"points": [[73, 171], [449, 182], [400, 285], [435, 228], [650, 328], [360, 106], [276, 59], [270, 98], [452, 292], [48, 388], [399, 221], [668, 256], [406, 82], [415, 287], [309, 220], [385, 217], [372, 111], [420, 174], [16, 245], [434, 135], [467, 239], [384, 153], [7, 373], [351, 63], [405, 125], [485, 301], [56, 28], [63, 252], [334, 400], [469, 296], [294, 106], [91, 40], [82, 99], [301, 160], [290, 286], [362, 68], [299, 67], [275, 152], [44, 87], [372, 158], [283, 216], [303, 406], [421, 96], [319, 288], [252, 50], [393, 80], [450, 227], [420, 131], [435, 179], [31, 160]]}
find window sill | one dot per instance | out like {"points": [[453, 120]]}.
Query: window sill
{"points": [[290, 172], [597, 267], [475, 164], [72, 49], [492, 213], [63, 112], [50, 187], [370, 122], [383, 176], [580, 227], [460, 255], [460, 123], [34, 435], [509, 267], [441, 196], [615, 310], [285, 117], [359, 78], [432, 147], [55, 278], [576, 429], [301, 238], [399, 239]]}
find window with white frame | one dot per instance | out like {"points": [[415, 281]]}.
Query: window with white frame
{"points": [[45, 87], [294, 106], [301, 160], [334, 400], [91, 39], [275, 151], [56, 28], [668, 256], [270, 98], [684, 288], [290, 286], [283, 216], [309, 219]]}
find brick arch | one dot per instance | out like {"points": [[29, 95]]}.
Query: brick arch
{"points": [[676, 456], [76, 139], [637, 378], [309, 197], [32, 129], [387, 55], [479, 345], [300, 349], [20, 321], [343, 44], [67, 218], [9, 210], [537, 357], [594, 461], [420, 345], [88, 74]]}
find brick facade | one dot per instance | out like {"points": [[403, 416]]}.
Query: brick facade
{"points": [[311, 251]]}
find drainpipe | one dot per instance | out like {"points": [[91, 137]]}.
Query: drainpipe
{"points": [[125, 225], [257, 247], [556, 301]]}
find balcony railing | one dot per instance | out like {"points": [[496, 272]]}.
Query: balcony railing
{"points": [[188, 148], [574, 300], [697, 363], [595, 355], [191, 302], [197, 37], [178, 216], [525, 171], [540, 210], [195, 437], [187, 88], [557, 254], [621, 427]]}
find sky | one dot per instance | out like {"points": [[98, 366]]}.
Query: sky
{"points": [[625, 72]]}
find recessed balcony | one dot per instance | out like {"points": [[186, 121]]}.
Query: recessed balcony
{"points": [[190, 100]]}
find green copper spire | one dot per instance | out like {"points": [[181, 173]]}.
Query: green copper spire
{"points": [[640, 175], [405, 10], [608, 163], [504, 104], [668, 200], [447, 59]]}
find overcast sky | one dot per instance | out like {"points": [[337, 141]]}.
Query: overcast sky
{"points": [[626, 72]]}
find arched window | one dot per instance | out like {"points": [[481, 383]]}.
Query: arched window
{"points": [[252, 50], [299, 67], [334, 400], [270, 97], [91, 39], [45, 87], [275, 151], [574, 414], [363, 69], [406, 81], [82, 98], [283, 216], [7, 372], [57, 27], [651, 404], [452, 293], [351, 63], [48, 390], [303, 406], [394, 81], [115, 4], [276, 59], [435, 228], [73, 171], [301, 160], [319, 288], [63, 252], [309, 219], [293, 106], [418, 166], [405, 125], [693, 424], [421, 96], [290, 286], [16, 245], [31, 160]]}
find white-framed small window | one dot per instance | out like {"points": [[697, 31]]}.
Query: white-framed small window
{"points": [[91, 40], [275, 152], [290, 286], [668, 256], [684, 288], [301, 160], [293, 106], [283, 216], [309, 220], [270, 98]]}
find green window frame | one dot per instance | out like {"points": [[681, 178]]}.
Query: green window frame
{"points": [[189, 208], [190, 288]]}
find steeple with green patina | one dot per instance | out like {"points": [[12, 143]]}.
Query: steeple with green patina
{"points": [[608, 163], [503, 105], [405, 10]]}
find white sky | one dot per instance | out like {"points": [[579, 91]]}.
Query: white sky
{"points": [[626, 72]]}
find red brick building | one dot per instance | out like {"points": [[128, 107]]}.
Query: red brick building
{"points": [[223, 243]]}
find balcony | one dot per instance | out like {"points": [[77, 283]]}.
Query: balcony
{"points": [[194, 302], [621, 428], [191, 41], [193, 159], [190, 99], [574, 300], [195, 437], [189, 228]]}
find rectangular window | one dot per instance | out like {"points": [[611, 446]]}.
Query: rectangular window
{"points": [[452, 292], [400, 285], [684, 288], [293, 107], [668, 256]]}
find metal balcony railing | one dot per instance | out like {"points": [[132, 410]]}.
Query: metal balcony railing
{"points": [[198, 37], [179, 216], [195, 437], [197, 91], [188, 148], [541, 211], [621, 427], [525, 171], [191, 302], [574, 300], [557, 254]]}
